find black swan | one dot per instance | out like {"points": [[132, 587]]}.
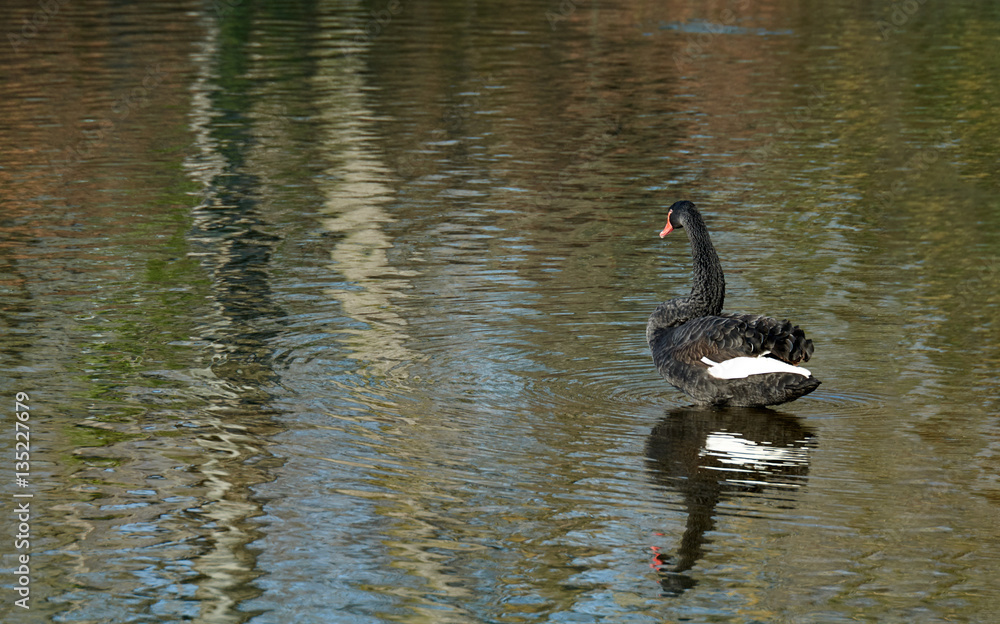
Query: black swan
{"points": [[723, 359]]}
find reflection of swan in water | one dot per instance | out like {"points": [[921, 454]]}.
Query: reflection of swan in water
{"points": [[707, 454]]}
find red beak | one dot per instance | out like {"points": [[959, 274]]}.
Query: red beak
{"points": [[668, 228]]}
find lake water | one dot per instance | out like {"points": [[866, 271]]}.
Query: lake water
{"points": [[334, 312]]}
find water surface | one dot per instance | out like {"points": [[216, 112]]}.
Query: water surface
{"points": [[335, 312]]}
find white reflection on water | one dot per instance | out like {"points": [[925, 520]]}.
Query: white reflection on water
{"points": [[355, 202], [710, 456], [733, 449]]}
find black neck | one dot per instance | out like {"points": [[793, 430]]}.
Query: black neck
{"points": [[709, 289]]}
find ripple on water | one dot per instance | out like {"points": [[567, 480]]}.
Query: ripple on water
{"points": [[623, 388], [710, 463], [849, 403]]}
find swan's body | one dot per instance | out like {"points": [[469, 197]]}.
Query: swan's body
{"points": [[723, 359]]}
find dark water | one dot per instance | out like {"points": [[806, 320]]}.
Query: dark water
{"points": [[334, 312]]}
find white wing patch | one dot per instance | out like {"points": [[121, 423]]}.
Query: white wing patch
{"points": [[742, 367]]}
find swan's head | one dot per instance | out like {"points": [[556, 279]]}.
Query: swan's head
{"points": [[677, 215]]}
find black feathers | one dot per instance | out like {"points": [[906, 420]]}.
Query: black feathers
{"points": [[682, 331]]}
